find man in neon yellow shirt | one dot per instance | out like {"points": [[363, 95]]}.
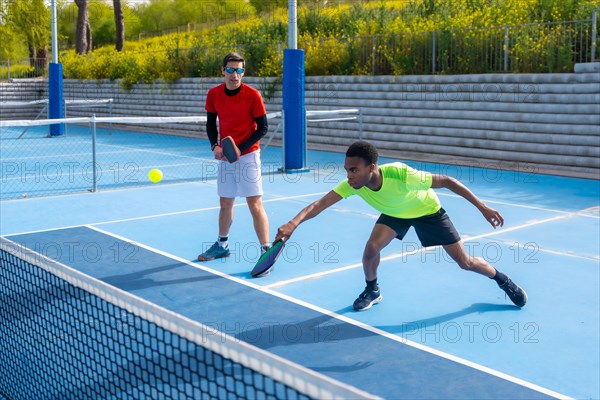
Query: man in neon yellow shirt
{"points": [[405, 198]]}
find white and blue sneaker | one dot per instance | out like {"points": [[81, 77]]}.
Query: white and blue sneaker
{"points": [[215, 251]]}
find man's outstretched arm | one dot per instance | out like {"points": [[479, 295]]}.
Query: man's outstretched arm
{"points": [[491, 215], [308, 212]]}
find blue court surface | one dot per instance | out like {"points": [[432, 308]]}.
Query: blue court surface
{"points": [[439, 332]]}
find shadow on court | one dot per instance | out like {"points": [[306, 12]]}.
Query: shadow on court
{"points": [[476, 308], [142, 279]]}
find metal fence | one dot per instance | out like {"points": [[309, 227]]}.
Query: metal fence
{"points": [[23, 68], [97, 153], [534, 48]]}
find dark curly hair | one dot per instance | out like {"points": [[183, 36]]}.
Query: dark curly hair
{"points": [[364, 150]]}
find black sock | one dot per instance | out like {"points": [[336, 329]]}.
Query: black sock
{"points": [[500, 278], [372, 285]]}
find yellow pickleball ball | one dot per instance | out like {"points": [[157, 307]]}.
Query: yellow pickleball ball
{"points": [[155, 175]]}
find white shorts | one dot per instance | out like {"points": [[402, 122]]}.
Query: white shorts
{"points": [[243, 178]]}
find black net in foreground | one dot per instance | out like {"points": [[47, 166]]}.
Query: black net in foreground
{"points": [[66, 335]]}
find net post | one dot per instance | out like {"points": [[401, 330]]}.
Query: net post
{"points": [[66, 115], [55, 98], [294, 111], [266, 145], [94, 172], [110, 114]]}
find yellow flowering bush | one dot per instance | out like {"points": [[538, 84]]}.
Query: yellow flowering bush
{"points": [[16, 71], [348, 37]]}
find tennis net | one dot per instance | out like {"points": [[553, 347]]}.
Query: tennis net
{"points": [[68, 335], [107, 152], [99, 153]]}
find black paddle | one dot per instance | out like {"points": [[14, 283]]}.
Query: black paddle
{"points": [[230, 150], [265, 263]]}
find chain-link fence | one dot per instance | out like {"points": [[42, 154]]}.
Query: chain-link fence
{"points": [[531, 48], [96, 153], [23, 68]]}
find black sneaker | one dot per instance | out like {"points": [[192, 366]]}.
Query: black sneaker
{"points": [[366, 299], [514, 293]]}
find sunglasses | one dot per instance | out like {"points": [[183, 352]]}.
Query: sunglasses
{"points": [[231, 70]]}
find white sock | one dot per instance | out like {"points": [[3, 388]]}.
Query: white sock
{"points": [[223, 241], [264, 247]]}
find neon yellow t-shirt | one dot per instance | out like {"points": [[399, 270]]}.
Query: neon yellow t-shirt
{"points": [[405, 192]]}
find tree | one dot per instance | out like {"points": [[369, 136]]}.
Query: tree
{"points": [[30, 19], [83, 32], [153, 15], [268, 5], [119, 25], [10, 42]]}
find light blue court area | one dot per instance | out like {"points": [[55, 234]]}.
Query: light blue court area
{"points": [[34, 164], [439, 332]]}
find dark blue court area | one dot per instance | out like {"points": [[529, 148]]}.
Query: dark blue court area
{"points": [[439, 332]]}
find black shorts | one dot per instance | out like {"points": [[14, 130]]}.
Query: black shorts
{"points": [[433, 230]]}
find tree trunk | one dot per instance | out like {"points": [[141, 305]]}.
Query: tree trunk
{"points": [[82, 30], [119, 25], [88, 34], [32, 55], [41, 60]]}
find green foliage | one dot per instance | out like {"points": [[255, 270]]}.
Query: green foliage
{"points": [[341, 37], [102, 21], [16, 71], [24, 28], [12, 46], [155, 16], [263, 6]]}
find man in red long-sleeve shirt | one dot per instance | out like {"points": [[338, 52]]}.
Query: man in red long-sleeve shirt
{"points": [[242, 115]]}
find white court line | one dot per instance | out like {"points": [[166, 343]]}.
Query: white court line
{"points": [[522, 205], [276, 199], [51, 156], [49, 145], [549, 251], [347, 320], [581, 213], [102, 153], [160, 215], [123, 150], [398, 255], [201, 209], [133, 149], [141, 169]]}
